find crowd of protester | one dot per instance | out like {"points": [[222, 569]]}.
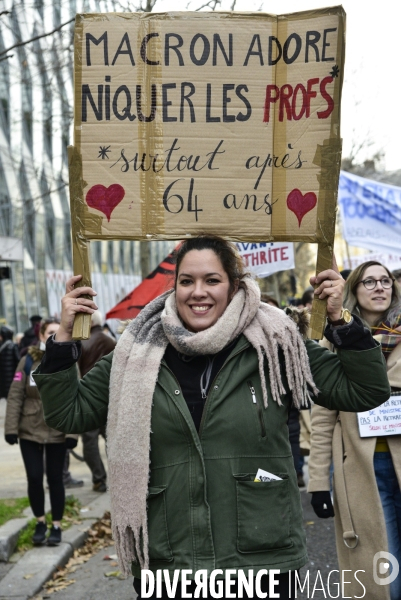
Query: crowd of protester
{"points": [[364, 494]]}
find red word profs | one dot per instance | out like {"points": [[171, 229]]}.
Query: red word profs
{"points": [[295, 102]]}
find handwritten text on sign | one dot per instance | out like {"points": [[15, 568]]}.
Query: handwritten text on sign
{"points": [[205, 122], [383, 420]]}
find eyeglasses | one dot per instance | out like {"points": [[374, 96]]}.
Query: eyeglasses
{"points": [[370, 283]]}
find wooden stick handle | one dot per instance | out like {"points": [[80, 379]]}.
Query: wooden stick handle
{"points": [[319, 307], [80, 245]]}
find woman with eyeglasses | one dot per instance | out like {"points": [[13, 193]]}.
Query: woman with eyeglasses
{"points": [[367, 470]]}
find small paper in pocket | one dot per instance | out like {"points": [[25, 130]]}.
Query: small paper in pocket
{"points": [[265, 476]]}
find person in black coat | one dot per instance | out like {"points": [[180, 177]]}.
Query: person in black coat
{"points": [[9, 359], [31, 335]]}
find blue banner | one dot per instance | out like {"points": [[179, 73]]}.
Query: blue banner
{"points": [[370, 213]]}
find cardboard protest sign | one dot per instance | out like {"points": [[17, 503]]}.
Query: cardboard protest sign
{"points": [[191, 122], [266, 258]]}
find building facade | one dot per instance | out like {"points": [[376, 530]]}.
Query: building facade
{"points": [[36, 108]]}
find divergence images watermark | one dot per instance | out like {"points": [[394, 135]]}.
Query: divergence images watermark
{"points": [[220, 584], [381, 568]]}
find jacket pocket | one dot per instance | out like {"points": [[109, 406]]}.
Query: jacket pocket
{"points": [[263, 514], [159, 545]]}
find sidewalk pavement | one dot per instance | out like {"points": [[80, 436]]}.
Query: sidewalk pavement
{"points": [[36, 566]]}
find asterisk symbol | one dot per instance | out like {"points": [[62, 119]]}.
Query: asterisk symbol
{"points": [[335, 71], [103, 152]]}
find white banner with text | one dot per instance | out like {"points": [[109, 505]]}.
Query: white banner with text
{"points": [[264, 259]]}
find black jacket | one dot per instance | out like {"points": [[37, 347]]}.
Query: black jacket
{"points": [[30, 339], [9, 359]]}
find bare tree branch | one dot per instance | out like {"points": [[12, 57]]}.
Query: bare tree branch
{"points": [[41, 196], [38, 37], [211, 4], [150, 4]]}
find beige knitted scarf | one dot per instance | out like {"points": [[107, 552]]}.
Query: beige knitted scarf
{"points": [[134, 372]]}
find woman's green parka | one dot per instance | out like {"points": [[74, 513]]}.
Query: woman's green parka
{"points": [[205, 511]]}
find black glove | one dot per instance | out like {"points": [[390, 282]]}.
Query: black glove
{"points": [[11, 438], [322, 505], [70, 443]]}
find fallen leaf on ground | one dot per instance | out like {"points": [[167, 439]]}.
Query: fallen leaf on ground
{"points": [[310, 522], [58, 586], [99, 537]]}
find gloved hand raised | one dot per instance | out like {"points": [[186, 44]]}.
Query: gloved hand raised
{"points": [[322, 504], [70, 443], [11, 438]]}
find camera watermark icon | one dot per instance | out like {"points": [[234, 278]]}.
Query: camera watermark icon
{"points": [[384, 567]]}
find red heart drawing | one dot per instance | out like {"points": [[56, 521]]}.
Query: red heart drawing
{"points": [[301, 204], [105, 199]]}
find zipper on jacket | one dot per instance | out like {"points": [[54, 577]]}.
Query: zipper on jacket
{"points": [[258, 408], [212, 386], [206, 374]]}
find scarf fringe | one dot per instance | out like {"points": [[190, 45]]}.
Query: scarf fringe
{"points": [[128, 547], [296, 360]]}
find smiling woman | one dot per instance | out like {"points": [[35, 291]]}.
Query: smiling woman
{"points": [[196, 398], [205, 283]]}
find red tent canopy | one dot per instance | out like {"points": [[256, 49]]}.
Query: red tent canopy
{"points": [[159, 281]]}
